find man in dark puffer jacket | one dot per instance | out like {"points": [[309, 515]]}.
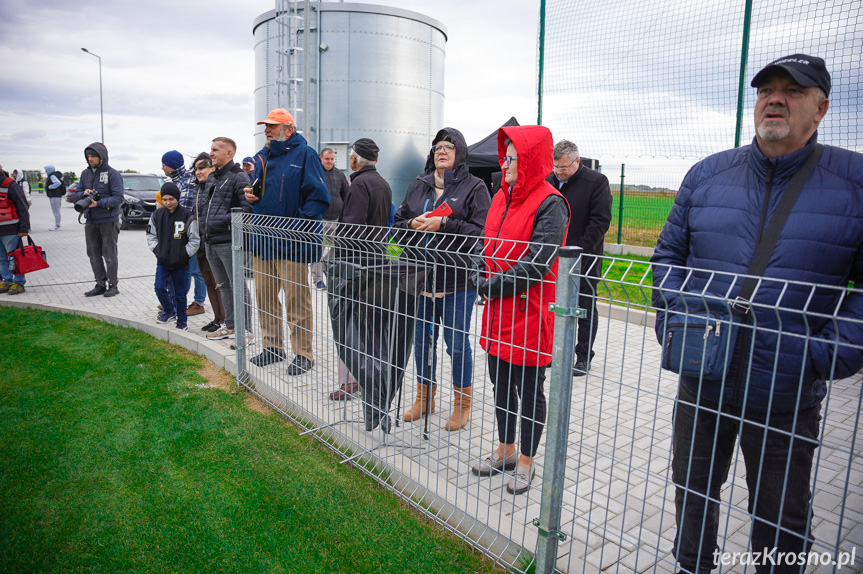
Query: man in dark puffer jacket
{"points": [[223, 191], [805, 336]]}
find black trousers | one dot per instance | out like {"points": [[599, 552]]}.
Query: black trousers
{"points": [[512, 383], [778, 467], [587, 327]]}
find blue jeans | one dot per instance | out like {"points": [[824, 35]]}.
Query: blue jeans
{"points": [[778, 468], [8, 244], [454, 311], [194, 271], [176, 280]]}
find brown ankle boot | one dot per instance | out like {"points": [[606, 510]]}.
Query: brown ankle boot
{"points": [[419, 407], [460, 408]]}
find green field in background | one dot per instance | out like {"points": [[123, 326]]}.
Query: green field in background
{"points": [[644, 214]]}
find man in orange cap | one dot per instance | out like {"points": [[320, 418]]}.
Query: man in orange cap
{"points": [[290, 183]]}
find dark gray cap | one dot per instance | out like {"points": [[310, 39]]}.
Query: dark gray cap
{"points": [[366, 148]]}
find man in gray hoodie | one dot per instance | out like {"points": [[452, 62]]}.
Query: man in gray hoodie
{"points": [[103, 217]]}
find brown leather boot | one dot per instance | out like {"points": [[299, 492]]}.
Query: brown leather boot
{"points": [[460, 408], [419, 407]]}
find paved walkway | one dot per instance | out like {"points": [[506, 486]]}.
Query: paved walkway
{"points": [[618, 504]]}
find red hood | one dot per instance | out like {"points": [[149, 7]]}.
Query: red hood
{"points": [[535, 147]]}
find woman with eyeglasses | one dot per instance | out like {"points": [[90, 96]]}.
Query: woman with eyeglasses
{"points": [[525, 227], [444, 239], [203, 167]]}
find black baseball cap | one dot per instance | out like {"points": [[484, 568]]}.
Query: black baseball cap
{"points": [[808, 71]]}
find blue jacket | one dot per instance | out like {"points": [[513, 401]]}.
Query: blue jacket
{"points": [[714, 225], [292, 185], [107, 182]]}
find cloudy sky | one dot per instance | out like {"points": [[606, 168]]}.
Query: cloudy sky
{"points": [[176, 74]]}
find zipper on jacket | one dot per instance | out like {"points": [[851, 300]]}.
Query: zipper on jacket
{"points": [[744, 342], [494, 248]]}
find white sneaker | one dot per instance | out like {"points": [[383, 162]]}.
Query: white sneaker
{"points": [[221, 333], [249, 340], [54, 228]]}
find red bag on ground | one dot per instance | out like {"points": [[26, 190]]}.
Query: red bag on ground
{"points": [[28, 258]]}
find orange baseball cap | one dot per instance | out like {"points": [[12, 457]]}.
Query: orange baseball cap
{"points": [[278, 116]]}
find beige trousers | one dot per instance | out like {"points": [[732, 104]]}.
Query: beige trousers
{"points": [[291, 278]]}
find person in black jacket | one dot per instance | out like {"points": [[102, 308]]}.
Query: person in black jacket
{"points": [[202, 167], [223, 191], [367, 203], [448, 242], [369, 197], [589, 198], [103, 218], [337, 185], [172, 235]]}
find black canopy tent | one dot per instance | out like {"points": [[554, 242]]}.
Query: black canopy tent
{"points": [[482, 160]]}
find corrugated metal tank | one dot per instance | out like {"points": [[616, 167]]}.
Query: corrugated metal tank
{"points": [[380, 75]]}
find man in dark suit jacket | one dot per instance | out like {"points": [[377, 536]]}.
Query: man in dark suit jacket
{"points": [[589, 200]]}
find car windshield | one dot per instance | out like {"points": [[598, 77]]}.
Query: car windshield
{"points": [[142, 183]]}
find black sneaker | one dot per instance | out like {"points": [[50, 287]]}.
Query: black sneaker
{"points": [[210, 327], [97, 290], [112, 290], [580, 369], [299, 366], [268, 357]]}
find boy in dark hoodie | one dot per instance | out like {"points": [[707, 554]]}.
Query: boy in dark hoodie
{"points": [[172, 235]]}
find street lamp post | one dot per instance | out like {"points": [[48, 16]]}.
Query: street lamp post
{"points": [[101, 113]]}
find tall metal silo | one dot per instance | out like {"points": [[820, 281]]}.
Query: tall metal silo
{"points": [[354, 70]]}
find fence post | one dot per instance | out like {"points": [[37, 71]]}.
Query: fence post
{"points": [[559, 396], [541, 62], [238, 279], [744, 57], [620, 207]]}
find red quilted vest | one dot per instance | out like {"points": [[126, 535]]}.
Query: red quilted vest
{"points": [[519, 329]]}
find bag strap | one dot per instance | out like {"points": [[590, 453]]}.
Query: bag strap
{"points": [[765, 247], [21, 244]]}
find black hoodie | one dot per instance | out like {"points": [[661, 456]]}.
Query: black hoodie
{"points": [[468, 197]]}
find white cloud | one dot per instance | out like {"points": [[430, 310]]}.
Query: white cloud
{"points": [[177, 74]]}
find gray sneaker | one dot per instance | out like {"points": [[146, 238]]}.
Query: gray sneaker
{"points": [[521, 479], [495, 463]]}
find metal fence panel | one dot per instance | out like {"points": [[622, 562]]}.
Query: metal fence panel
{"points": [[617, 503]]}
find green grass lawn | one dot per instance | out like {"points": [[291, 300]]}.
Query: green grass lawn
{"points": [[627, 281], [644, 214], [117, 456]]}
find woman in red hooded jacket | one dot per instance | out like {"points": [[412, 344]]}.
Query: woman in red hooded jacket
{"points": [[525, 226]]}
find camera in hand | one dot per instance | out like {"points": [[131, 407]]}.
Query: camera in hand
{"points": [[83, 204]]}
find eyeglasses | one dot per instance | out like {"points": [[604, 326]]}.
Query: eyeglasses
{"points": [[509, 159], [202, 166], [448, 148], [563, 167]]}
